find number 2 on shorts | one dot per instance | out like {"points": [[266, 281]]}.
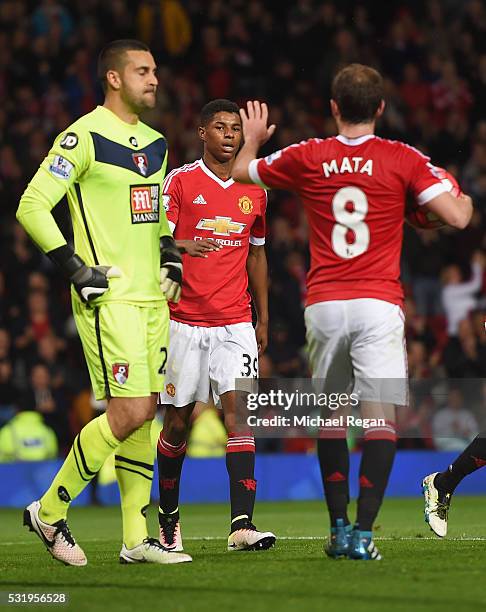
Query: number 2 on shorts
{"points": [[163, 350]]}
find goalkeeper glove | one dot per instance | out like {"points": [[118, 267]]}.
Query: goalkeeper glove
{"points": [[170, 269], [89, 282]]}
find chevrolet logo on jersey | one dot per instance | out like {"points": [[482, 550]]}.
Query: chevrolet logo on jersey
{"points": [[221, 226]]}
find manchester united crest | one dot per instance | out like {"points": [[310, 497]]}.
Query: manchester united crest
{"points": [[120, 372], [245, 205]]}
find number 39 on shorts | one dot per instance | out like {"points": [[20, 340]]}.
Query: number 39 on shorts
{"points": [[350, 234], [250, 367]]}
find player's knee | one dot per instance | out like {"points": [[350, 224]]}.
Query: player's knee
{"points": [[130, 425], [140, 419], [176, 429], [125, 415]]}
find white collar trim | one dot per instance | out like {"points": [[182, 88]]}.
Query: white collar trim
{"points": [[354, 142], [206, 170]]}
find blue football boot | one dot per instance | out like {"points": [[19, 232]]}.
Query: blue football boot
{"points": [[362, 547], [337, 546]]}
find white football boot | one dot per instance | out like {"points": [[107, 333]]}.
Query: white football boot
{"points": [[56, 537], [249, 538], [151, 551], [436, 506], [170, 532]]}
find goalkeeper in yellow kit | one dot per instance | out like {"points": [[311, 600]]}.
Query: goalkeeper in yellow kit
{"points": [[124, 268]]}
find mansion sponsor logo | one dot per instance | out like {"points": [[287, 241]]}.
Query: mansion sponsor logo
{"points": [[144, 203]]}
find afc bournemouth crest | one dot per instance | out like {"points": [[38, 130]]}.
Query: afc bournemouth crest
{"points": [[141, 161], [245, 205], [120, 372], [170, 390]]}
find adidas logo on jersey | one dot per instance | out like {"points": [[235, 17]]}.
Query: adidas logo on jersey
{"points": [[199, 200]]}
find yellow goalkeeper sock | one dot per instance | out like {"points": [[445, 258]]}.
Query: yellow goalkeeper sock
{"points": [[91, 447], [134, 464]]}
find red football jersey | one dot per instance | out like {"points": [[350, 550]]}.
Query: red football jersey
{"points": [[353, 191], [200, 205]]}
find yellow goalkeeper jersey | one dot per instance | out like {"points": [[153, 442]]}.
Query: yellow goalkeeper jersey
{"points": [[112, 173]]}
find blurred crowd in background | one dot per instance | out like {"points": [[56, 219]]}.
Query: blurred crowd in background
{"points": [[433, 56]]}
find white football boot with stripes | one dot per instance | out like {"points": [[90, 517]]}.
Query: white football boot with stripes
{"points": [[437, 505], [56, 537], [151, 551], [249, 538]]}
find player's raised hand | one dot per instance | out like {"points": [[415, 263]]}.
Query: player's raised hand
{"points": [[254, 122], [198, 248]]}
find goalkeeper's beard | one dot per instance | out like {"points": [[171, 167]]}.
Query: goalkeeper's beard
{"points": [[139, 103]]}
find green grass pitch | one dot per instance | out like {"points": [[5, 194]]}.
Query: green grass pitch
{"points": [[418, 572]]}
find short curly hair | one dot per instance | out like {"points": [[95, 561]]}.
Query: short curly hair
{"points": [[217, 106]]}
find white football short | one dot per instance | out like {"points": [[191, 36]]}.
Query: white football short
{"points": [[359, 345], [205, 359]]}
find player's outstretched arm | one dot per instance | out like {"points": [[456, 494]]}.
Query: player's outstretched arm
{"points": [[456, 212], [256, 267], [255, 134]]}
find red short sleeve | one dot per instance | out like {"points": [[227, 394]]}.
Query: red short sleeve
{"points": [[283, 169], [424, 181], [258, 230], [172, 197]]}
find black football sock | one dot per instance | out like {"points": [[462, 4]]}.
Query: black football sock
{"points": [[470, 460], [333, 456], [169, 459], [379, 449], [240, 463]]}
